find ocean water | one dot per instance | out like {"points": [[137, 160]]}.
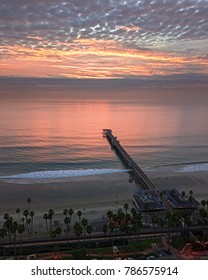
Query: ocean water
{"points": [[56, 129]]}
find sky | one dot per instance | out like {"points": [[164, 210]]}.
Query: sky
{"points": [[103, 38]]}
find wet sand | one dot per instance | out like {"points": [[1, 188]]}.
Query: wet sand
{"points": [[94, 196], [97, 193]]}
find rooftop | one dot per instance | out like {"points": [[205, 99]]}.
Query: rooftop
{"points": [[179, 200], [147, 200]]}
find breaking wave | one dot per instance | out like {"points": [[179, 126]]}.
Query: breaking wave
{"points": [[57, 175], [194, 168], [179, 167]]}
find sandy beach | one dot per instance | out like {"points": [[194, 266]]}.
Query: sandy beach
{"points": [[94, 196], [91, 194], [195, 181]]}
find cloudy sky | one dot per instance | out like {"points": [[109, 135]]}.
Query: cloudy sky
{"points": [[103, 38]]}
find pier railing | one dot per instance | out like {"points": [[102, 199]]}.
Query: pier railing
{"points": [[129, 162], [165, 196]]}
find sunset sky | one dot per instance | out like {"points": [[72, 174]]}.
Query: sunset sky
{"points": [[103, 38]]}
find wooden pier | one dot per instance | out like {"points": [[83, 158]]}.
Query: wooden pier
{"points": [[157, 199], [129, 162]]}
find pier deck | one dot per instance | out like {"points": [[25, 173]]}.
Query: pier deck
{"points": [[129, 162], [150, 197]]}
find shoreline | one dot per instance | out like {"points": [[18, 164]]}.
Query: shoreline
{"points": [[95, 196]]}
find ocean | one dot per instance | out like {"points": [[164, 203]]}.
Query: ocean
{"points": [[52, 149], [49, 132]]}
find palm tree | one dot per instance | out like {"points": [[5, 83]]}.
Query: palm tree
{"points": [[71, 212], [26, 213], [78, 232], [115, 219], [137, 224], [191, 198], [8, 226], [79, 214], [45, 217], [53, 236], [121, 216], [14, 227], [109, 215], [18, 213], [111, 230], [126, 207], [67, 222], [50, 217], [29, 221], [65, 212], [89, 231], [133, 211], [126, 228], [3, 234], [84, 224], [20, 230], [29, 201], [6, 216], [58, 231], [127, 218], [161, 195], [183, 194], [32, 214]]}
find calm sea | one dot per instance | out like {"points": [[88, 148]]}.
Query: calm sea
{"points": [[48, 128]]}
